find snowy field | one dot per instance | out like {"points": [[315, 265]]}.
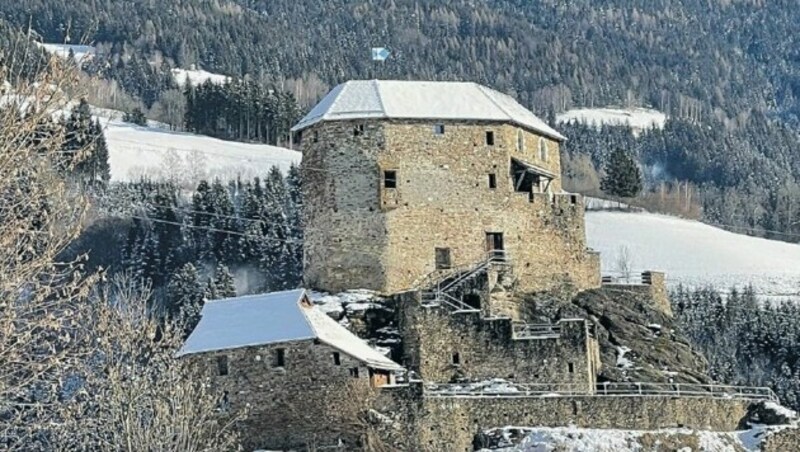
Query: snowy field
{"points": [[693, 253], [197, 77], [573, 439], [80, 52], [184, 157], [636, 118]]}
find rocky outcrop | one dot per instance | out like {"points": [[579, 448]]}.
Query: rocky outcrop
{"points": [[638, 341]]}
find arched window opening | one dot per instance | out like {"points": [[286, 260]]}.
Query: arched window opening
{"points": [[543, 149]]}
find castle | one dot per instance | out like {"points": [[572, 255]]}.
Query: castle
{"points": [[404, 179], [445, 198]]}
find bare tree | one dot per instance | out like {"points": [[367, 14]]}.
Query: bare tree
{"points": [[82, 368], [170, 109], [624, 263], [40, 298], [134, 394]]}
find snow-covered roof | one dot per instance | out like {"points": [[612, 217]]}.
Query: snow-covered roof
{"points": [[365, 99], [271, 318]]}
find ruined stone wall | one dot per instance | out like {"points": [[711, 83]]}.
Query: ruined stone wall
{"points": [[782, 440], [652, 290], [361, 234], [291, 406], [486, 349], [451, 423]]}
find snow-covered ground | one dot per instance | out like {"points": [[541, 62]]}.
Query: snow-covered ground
{"points": [[81, 52], [197, 76], [693, 253], [162, 154], [573, 439], [637, 119]]}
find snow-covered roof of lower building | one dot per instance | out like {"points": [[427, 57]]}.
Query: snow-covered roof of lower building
{"points": [[369, 99], [273, 318]]}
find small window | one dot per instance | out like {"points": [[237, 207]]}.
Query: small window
{"points": [[438, 129], [489, 138], [571, 368], [222, 365], [337, 359], [456, 358], [520, 141], [492, 181], [443, 261], [543, 149], [224, 402], [316, 136], [354, 372], [390, 179], [358, 130], [280, 358]]}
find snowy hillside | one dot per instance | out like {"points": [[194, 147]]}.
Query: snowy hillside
{"points": [[693, 253], [572, 439], [80, 52], [197, 77], [636, 118], [184, 157]]}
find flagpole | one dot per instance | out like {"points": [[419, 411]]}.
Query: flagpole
{"points": [[379, 57]]}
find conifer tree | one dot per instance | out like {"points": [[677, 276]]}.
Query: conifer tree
{"points": [[224, 285], [135, 116], [184, 290], [99, 168], [622, 177]]}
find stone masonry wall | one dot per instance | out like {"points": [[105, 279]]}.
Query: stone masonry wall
{"points": [[363, 235], [486, 349], [345, 240], [783, 440], [653, 289], [289, 406], [451, 423]]}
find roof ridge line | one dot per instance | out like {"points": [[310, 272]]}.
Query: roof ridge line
{"points": [[376, 84], [252, 295], [344, 86], [483, 89], [303, 312]]}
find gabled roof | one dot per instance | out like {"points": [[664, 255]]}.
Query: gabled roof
{"points": [[365, 99], [272, 318]]}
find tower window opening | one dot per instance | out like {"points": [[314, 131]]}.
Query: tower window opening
{"points": [[358, 130], [520, 141], [222, 365], [543, 154], [390, 179], [492, 181], [443, 259], [438, 129], [456, 358], [489, 138], [280, 358]]}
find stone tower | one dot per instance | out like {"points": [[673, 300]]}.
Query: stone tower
{"points": [[405, 179]]}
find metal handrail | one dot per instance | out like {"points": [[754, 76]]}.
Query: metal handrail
{"points": [[632, 389], [532, 331]]}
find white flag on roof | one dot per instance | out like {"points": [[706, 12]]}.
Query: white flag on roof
{"points": [[380, 54]]}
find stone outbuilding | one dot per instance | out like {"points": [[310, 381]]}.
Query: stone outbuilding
{"points": [[405, 179], [287, 362]]}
